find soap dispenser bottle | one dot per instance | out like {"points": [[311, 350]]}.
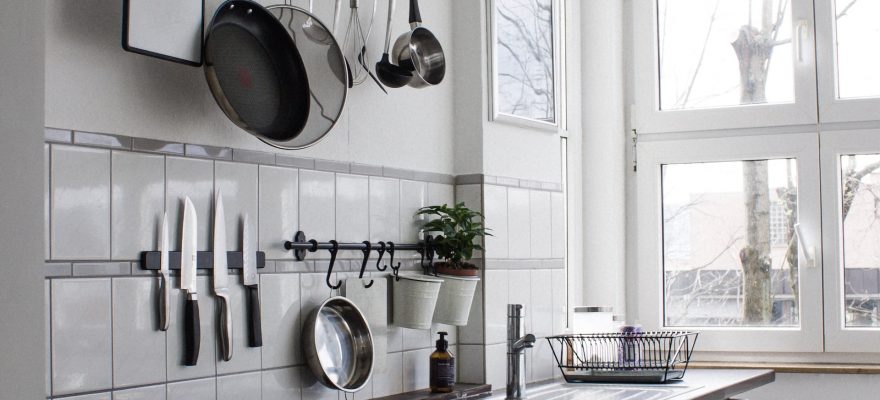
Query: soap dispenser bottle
{"points": [[442, 367]]}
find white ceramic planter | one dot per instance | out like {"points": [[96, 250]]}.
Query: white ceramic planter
{"points": [[454, 302], [415, 297]]}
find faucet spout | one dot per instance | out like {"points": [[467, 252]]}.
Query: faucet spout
{"points": [[525, 342]]}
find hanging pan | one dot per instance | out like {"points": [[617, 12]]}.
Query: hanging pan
{"points": [[420, 51], [256, 73], [338, 345], [325, 66]]}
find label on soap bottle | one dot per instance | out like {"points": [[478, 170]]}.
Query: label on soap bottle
{"points": [[443, 373]]}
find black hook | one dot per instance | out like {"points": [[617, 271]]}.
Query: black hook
{"points": [[381, 253], [366, 251], [394, 268], [333, 251]]}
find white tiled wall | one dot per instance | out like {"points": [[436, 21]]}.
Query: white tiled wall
{"points": [[524, 265], [105, 207]]}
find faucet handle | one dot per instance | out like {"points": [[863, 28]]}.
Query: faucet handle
{"points": [[516, 310], [529, 340]]}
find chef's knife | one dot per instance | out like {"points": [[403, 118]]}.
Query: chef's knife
{"points": [[164, 293], [188, 264], [221, 279], [251, 283]]}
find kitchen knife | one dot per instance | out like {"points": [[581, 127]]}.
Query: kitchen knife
{"points": [[164, 293], [221, 279], [188, 264], [251, 283]]}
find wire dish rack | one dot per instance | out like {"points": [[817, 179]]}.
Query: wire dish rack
{"points": [[648, 357]]}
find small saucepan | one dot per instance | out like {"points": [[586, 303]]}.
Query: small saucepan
{"points": [[338, 345], [420, 52]]}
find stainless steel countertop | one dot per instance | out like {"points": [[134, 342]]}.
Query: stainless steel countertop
{"points": [[699, 384]]}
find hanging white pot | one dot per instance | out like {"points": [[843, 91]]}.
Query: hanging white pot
{"points": [[415, 297], [454, 301]]}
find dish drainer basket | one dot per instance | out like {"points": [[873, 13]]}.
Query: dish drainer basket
{"points": [[648, 357]]}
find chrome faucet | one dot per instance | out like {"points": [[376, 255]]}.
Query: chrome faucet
{"points": [[516, 357]]}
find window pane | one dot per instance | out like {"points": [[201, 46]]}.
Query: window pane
{"points": [[861, 234], [524, 52], [729, 257], [717, 53], [858, 60]]}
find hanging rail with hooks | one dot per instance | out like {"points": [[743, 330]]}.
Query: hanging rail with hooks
{"points": [[300, 247]]}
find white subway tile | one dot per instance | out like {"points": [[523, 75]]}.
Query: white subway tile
{"points": [[384, 210], [558, 227], [80, 203], [495, 199], [238, 183], [156, 392], [352, 211], [279, 210], [518, 223], [540, 223], [239, 387], [317, 207], [81, 336], [413, 196], [244, 357], [280, 299], [495, 285], [282, 384], [193, 178], [542, 302], [138, 344], [137, 201], [202, 389]]}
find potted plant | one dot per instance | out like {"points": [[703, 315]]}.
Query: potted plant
{"points": [[457, 230]]}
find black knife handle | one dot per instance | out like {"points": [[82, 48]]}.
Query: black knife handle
{"points": [[255, 329], [225, 328], [192, 333]]}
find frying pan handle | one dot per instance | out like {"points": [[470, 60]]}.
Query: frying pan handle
{"points": [[414, 15]]}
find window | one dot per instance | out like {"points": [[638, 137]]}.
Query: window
{"points": [[723, 64], [722, 264], [700, 67], [747, 231]]}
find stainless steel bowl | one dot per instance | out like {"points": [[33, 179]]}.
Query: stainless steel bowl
{"points": [[338, 345]]}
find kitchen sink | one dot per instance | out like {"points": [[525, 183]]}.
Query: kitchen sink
{"points": [[571, 391]]}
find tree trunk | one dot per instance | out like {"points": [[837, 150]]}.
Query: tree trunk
{"points": [[755, 255], [753, 50]]}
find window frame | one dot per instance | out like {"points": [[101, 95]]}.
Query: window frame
{"points": [[834, 144], [649, 280], [831, 108], [649, 118]]}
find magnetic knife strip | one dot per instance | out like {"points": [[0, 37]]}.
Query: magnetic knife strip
{"points": [[205, 260]]}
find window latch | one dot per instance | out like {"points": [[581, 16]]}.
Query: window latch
{"points": [[809, 252]]}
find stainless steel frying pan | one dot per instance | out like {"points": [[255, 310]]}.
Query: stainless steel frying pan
{"points": [[338, 345]]}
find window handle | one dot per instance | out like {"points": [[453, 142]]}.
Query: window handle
{"points": [[800, 32], [809, 252]]}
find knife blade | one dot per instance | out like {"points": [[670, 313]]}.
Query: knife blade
{"points": [[221, 279], [188, 265], [251, 283], [164, 293]]}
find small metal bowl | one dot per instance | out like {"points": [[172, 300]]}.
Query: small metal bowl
{"points": [[338, 345]]}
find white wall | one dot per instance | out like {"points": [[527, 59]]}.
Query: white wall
{"points": [[21, 233], [93, 85]]}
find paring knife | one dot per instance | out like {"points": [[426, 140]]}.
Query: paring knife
{"points": [[221, 279], [188, 264], [251, 283], [164, 293]]}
